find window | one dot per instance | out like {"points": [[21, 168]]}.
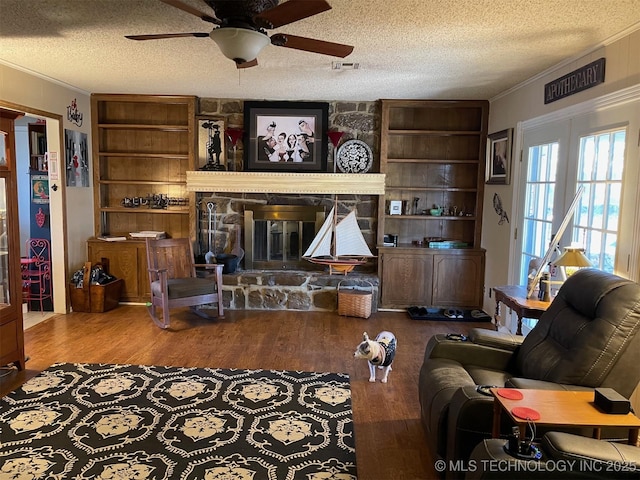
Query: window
{"points": [[586, 151], [597, 216], [539, 201]]}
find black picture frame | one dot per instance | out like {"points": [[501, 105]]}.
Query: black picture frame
{"points": [[499, 157], [308, 149]]}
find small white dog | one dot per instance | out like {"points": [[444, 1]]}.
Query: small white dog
{"points": [[379, 352]]}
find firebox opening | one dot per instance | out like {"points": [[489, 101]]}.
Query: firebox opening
{"points": [[276, 236]]}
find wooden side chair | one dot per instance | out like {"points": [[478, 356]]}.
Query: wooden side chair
{"points": [[173, 280]]}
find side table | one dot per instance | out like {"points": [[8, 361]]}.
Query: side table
{"points": [[515, 297], [562, 408]]}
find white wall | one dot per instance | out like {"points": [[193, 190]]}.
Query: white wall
{"points": [[526, 102], [35, 94]]}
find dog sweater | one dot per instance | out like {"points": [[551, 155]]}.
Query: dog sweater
{"points": [[388, 352]]}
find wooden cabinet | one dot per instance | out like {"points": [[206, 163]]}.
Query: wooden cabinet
{"points": [[11, 324], [143, 145], [433, 155], [413, 276], [127, 261]]}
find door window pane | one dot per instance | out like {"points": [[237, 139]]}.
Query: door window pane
{"points": [[596, 222], [539, 198], [4, 247]]}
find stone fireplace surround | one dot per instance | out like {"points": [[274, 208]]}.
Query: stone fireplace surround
{"points": [[295, 290], [306, 290]]}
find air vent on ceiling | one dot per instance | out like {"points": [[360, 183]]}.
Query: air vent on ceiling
{"points": [[344, 66]]}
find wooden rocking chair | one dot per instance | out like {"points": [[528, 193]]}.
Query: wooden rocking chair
{"points": [[173, 280]]}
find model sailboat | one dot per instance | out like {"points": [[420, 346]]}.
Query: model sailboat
{"points": [[339, 244]]}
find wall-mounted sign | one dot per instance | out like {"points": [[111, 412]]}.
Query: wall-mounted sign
{"points": [[73, 115], [576, 81]]}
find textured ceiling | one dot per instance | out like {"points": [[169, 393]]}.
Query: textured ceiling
{"points": [[406, 48]]}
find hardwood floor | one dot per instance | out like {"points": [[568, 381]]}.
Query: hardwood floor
{"points": [[390, 442]]}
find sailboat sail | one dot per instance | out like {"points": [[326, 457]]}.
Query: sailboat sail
{"points": [[349, 241], [321, 244]]}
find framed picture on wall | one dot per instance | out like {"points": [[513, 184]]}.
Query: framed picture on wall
{"points": [[211, 151], [286, 136], [499, 157]]}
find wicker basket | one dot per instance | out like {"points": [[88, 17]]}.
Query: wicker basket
{"points": [[353, 302]]}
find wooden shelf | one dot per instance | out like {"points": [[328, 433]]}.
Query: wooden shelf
{"points": [[430, 160], [439, 133], [432, 152], [431, 217], [142, 182], [167, 156], [137, 126], [146, 211], [143, 145]]}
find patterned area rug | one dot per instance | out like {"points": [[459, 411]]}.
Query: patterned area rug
{"points": [[103, 421]]}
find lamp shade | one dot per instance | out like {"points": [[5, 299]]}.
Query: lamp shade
{"points": [[572, 257], [239, 44]]}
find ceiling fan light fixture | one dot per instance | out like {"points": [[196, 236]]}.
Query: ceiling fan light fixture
{"points": [[239, 44]]}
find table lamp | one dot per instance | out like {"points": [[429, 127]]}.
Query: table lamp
{"points": [[571, 260]]}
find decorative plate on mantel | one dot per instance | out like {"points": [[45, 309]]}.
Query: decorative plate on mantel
{"points": [[354, 156]]}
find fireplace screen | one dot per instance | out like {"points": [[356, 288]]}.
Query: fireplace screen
{"points": [[276, 236]]}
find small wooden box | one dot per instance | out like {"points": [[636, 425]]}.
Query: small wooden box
{"points": [[95, 298]]}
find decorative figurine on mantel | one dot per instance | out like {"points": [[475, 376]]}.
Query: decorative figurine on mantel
{"points": [[214, 147]]}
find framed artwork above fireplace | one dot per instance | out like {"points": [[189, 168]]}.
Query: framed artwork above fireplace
{"points": [[286, 136]]}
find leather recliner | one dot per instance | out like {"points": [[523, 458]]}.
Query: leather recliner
{"points": [[588, 337], [563, 455]]}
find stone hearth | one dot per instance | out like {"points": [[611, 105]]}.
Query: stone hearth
{"points": [[291, 290]]}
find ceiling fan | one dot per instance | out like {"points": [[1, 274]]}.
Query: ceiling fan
{"points": [[241, 25]]}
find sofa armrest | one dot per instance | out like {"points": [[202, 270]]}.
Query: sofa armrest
{"points": [[467, 352], [528, 383], [566, 446], [491, 338]]}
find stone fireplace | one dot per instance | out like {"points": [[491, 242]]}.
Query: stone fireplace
{"points": [[260, 288], [272, 276]]}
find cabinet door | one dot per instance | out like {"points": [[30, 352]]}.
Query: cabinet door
{"points": [[11, 327], [124, 263], [406, 279], [458, 279]]}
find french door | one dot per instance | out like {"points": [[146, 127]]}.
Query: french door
{"points": [[599, 152]]}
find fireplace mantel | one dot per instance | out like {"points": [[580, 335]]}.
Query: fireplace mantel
{"points": [[281, 182]]}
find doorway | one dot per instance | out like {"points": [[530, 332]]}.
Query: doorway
{"points": [[56, 220], [34, 217]]}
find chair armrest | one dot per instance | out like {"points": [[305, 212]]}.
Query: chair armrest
{"points": [[491, 338], [566, 446], [467, 352], [528, 383], [208, 266], [157, 270]]}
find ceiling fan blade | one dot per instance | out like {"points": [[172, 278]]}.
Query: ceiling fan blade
{"points": [[166, 35], [290, 12], [193, 11], [250, 63], [311, 45]]}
